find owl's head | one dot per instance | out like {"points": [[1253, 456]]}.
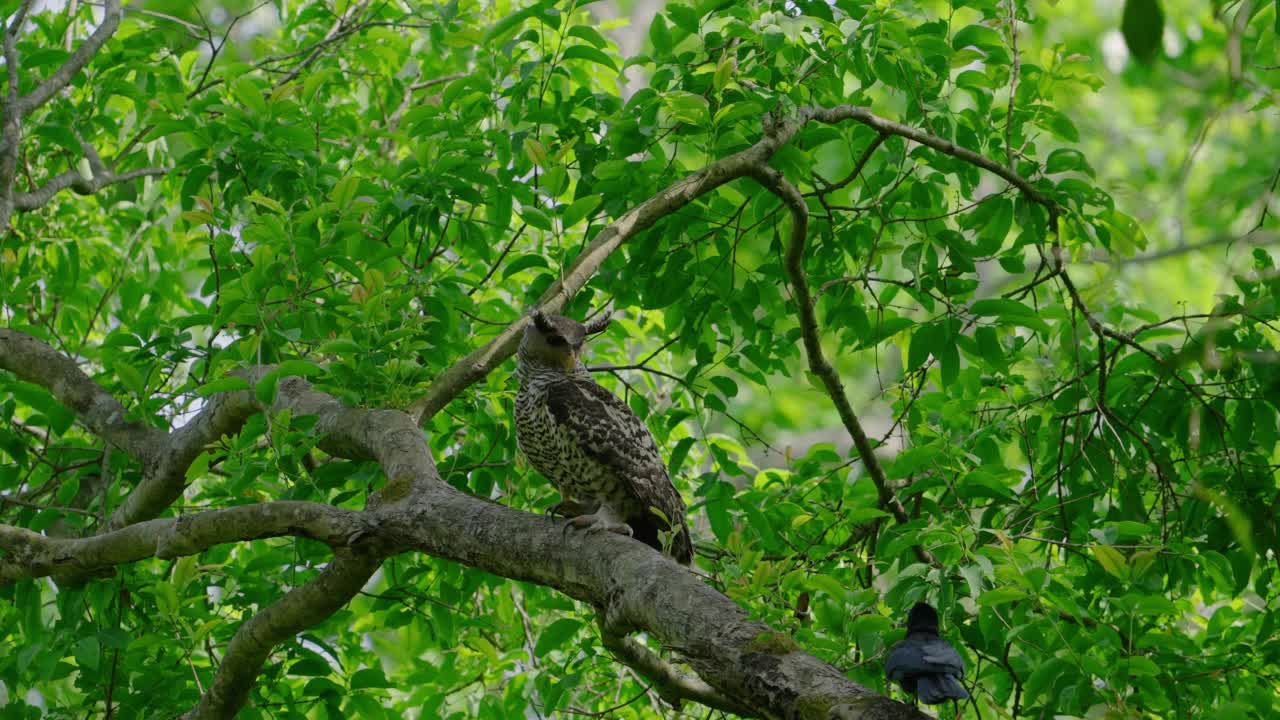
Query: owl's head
{"points": [[555, 341]]}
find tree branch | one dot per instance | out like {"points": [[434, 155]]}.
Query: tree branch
{"points": [[34, 361], [102, 177], [866, 117], [475, 366], [298, 610], [774, 182], [165, 471], [32, 555], [671, 684], [74, 64], [165, 457], [11, 117], [633, 587]]}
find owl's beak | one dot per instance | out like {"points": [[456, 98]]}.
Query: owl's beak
{"points": [[570, 361]]}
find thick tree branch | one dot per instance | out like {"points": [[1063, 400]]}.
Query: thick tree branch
{"points": [[165, 457], [34, 361], [633, 587], [30, 554], [165, 470], [298, 610], [392, 439]]}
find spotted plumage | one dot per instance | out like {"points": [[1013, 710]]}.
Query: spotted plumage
{"points": [[589, 444]]}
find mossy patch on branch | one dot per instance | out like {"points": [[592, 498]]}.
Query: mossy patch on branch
{"points": [[773, 643]]}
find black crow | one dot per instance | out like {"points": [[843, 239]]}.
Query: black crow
{"points": [[924, 664]]}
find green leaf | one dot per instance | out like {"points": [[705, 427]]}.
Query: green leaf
{"points": [[310, 667], [166, 598], [341, 346], [1143, 28], [581, 208], [726, 386], [724, 73], [979, 36], [131, 378], [1010, 312], [1001, 596], [591, 54], [660, 36], [344, 191], [687, 107], [231, 383], [676, 460], [590, 34], [88, 654], [246, 91], [833, 588], [1066, 159], [303, 368], [183, 571], [535, 218], [199, 466], [556, 635], [1111, 560], [369, 678], [536, 151], [508, 24], [993, 233], [261, 200], [265, 389], [524, 262]]}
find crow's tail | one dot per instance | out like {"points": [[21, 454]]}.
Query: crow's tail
{"points": [[934, 689]]}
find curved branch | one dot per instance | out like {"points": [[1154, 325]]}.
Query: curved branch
{"points": [[633, 587], [35, 361], [475, 366], [165, 471], [298, 610], [165, 456], [32, 555], [774, 182], [866, 117]]}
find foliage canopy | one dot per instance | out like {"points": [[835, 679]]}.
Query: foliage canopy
{"points": [[1066, 357]]}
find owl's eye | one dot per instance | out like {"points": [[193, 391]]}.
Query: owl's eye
{"points": [[556, 341]]}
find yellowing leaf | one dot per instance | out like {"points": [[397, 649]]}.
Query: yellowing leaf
{"points": [[1111, 560]]}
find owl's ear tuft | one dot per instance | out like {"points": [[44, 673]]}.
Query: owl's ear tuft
{"points": [[542, 322], [598, 324]]}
